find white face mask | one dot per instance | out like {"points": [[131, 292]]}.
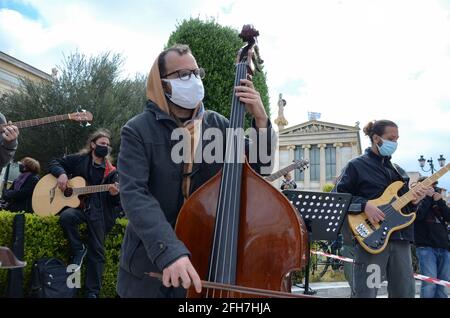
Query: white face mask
{"points": [[186, 94]]}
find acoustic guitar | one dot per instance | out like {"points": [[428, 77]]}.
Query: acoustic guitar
{"points": [[48, 199], [374, 237]]}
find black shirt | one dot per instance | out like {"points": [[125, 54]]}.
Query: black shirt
{"points": [[430, 228], [97, 171], [367, 177]]}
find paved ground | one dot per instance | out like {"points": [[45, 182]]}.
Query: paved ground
{"points": [[342, 289]]}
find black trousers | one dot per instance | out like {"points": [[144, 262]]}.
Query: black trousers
{"points": [[70, 219]]}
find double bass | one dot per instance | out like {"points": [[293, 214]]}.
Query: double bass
{"points": [[240, 230]]}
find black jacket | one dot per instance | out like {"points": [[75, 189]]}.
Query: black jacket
{"points": [[20, 200], [151, 195], [98, 205], [367, 176], [430, 229]]}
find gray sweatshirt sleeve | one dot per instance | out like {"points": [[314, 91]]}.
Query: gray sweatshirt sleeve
{"points": [[7, 149], [143, 211]]}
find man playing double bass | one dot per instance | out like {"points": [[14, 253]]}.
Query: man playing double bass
{"points": [[154, 187]]}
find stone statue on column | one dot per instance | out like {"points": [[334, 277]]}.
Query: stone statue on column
{"points": [[280, 120]]}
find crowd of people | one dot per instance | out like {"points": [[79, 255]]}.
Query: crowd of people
{"points": [[153, 189]]}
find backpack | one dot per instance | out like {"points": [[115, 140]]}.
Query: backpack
{"points": [[49, 279]]}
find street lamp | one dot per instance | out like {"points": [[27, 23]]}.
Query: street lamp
{"points": [[422, 161]]}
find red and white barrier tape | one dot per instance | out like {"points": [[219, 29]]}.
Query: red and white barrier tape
{"points": [[345, 259], [416, 276]]}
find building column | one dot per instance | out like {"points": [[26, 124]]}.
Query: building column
{"points": [[338, 147], [306, 172], [354, 149], [291, 149], [323, 171]]}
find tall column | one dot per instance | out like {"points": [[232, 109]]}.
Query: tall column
{"points": [[323, 171], [307, 172], [354, 149], [338, 147], [291, 149]]}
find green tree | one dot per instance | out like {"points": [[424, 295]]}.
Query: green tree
{"points": [[215, 48], [328, 187], [91, 83]]}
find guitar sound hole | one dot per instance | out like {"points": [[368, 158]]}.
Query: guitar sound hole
{"points": [[68, 192]]}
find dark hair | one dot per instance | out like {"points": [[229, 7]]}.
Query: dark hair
{"points": [[99, 133], [31, 164], [378, 127], [181, 49]]}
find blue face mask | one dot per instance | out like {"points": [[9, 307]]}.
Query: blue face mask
{"points": [[387, 148]]}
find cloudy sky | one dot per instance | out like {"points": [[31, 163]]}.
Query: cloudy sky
{"points": [[350, 60]]}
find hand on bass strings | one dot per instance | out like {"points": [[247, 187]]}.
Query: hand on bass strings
{"points": [[374, 214], [253, 104]]}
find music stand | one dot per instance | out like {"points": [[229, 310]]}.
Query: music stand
{"points": [[323, 214]]}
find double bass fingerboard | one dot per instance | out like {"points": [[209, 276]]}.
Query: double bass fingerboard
{"points": [[222, 268]]}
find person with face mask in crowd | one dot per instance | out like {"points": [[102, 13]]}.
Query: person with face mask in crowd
{"points": [[288, 183], [18, 196], [366, 178], [154, 186], [432, 241], [93, 163]]}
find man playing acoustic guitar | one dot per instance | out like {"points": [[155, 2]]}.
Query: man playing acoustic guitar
{"points": [[93, 164], [366, 178]]}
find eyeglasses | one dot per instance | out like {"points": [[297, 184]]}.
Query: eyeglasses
{"points": [[185, 75]]}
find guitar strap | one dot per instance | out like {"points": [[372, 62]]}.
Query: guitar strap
{"points": [[401, 173]]}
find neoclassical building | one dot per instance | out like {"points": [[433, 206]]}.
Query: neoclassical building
{"points": [[327, 146], [13, 70]]}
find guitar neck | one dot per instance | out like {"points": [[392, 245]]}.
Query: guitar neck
{"points": [[91, 189], [408, 197], [281, 172], [39, 121]]}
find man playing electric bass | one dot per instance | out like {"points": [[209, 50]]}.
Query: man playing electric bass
{"points": [[93, 164], [366, 178]]}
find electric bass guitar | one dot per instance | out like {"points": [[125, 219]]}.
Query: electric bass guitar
{"points": [[48, 199], [374, 237]]}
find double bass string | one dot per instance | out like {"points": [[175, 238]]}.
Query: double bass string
{"points": [[234, 179], [237, 165], [225, 191], [219, 224]]}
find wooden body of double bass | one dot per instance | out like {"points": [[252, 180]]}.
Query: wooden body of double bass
{"points": [[272, 239]]}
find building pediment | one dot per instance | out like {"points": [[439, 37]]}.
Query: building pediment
{"points": [[315, 127]]}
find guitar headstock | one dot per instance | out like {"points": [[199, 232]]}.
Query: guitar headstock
{"points": [[249, 54], [83, 117], [301, 164]]}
